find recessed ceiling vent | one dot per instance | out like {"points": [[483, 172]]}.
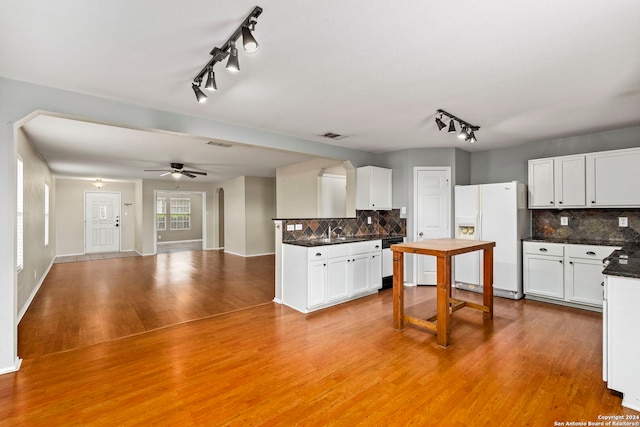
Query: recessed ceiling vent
{"points": [[332, 135], [219, 144]]}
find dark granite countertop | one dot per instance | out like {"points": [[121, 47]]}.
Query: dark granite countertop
{"points": [[337, 241], [570, 241], [624, 262]]}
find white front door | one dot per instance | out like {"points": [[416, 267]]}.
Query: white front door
{"points": [[432, 187], [102, 222]]}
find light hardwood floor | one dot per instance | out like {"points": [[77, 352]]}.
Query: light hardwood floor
{"points": [[533, 364]]}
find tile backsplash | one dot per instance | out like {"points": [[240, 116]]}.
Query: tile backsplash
{"points": [[382, 222], [589, 224]]}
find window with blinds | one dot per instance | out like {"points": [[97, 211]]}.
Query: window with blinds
{"points": [[161, 213], [20, 214], [46, 214], [180, 214]]}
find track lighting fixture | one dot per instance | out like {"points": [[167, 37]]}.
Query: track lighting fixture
{"points": [[200, 95], [229, 49], [211, 80], [249, 43], [232, 63], [467, 130]]}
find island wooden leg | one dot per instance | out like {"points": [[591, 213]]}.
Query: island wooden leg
{"points": [[487, 294], [398, 290], [443, 323]]}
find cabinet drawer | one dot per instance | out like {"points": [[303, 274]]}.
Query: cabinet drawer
{"points": [[597, 253], [366, 247], [318, 253], [542, 248], [340, 250]]}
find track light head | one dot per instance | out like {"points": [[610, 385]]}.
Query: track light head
{"points": [[232, 63], [249, 43], [464, 133], [452, 126], [440, 123], [200, 95], [211, 80], [472, 138]]}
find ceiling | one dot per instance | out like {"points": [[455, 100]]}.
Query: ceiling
{"points": [[375, 72]]}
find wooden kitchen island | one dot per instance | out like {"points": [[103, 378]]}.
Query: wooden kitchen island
{"points": [[444, 250]]}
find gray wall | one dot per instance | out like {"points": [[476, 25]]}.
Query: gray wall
{"points": [[510, 164]]}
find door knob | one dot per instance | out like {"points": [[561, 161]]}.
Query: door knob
{"points": [[420, 234]]}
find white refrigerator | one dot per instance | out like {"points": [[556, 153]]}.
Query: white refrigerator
{"points": [[492, 212]]}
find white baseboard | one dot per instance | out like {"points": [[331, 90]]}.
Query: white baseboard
{"points": [[277, 300], [34, 292], [15, 367], [166, 242], [248, 256]]}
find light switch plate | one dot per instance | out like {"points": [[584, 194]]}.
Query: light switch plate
{"points": [[623, 221], [289, 227], [298, 227], [564, 220]]}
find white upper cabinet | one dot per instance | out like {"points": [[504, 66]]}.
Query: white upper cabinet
{"points": [[570, 188], [605, 179], [613, 177], [541, 184], [557, 182], [373, 188]]}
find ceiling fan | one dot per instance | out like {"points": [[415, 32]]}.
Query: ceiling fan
{"points": [[177, 170]]}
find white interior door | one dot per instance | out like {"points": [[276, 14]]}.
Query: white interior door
{"points": [[432, 187], [102, 222]]}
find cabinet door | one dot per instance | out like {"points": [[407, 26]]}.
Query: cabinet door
{"points": [[375, 272], [541, 184], [544, 276], [612, 178], [359, 273], [317, 283], [373, 188], [570, 182], [380, 188], [584, 281], [337, 278]]}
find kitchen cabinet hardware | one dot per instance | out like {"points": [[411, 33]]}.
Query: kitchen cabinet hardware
{"points": [[543, 249], [318, 254], [591, 253]]}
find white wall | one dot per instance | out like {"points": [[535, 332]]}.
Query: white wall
{"points": [[69, 227]]}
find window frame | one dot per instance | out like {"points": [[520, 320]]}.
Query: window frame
{"points": [[19, 213], [179, 213], [161, 212]]}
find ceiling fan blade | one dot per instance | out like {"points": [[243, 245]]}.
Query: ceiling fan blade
{"points": [[186, 173], [157, 170], [166, 173], [195, 172]]}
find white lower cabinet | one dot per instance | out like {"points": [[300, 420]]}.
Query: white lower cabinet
{"points": [[564, 273], [322, 276], [620, 338]]}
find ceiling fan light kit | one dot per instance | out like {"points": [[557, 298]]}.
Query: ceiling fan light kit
{"points": [[249, 45], [177, 170], [467, 130]]}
